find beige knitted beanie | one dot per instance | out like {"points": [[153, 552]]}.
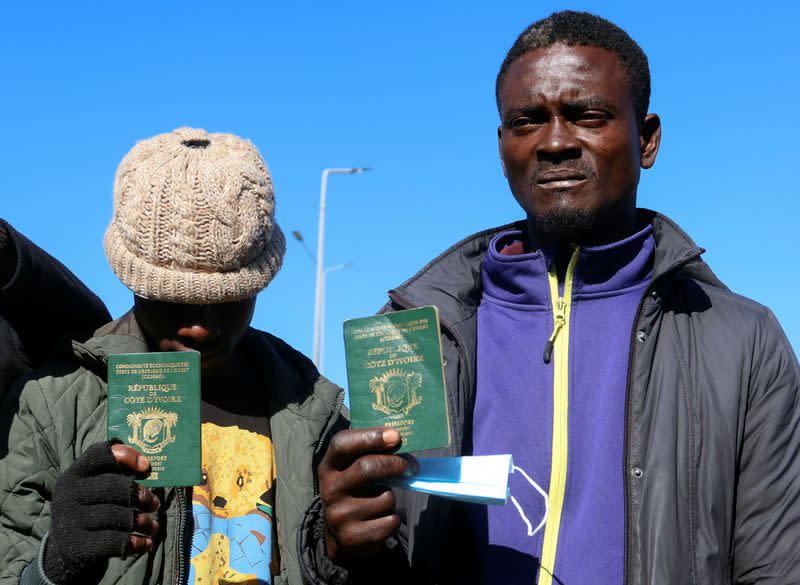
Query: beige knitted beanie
{"points": [[194, 219]]}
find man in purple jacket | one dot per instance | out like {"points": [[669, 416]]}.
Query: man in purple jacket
{"points": [[658, 410]]}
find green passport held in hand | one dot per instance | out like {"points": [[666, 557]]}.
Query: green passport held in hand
{"points": [[154, 406], [395, 376]]}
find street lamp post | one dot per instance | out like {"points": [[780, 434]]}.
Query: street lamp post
{"points": [[318, 297], [321, 364]]}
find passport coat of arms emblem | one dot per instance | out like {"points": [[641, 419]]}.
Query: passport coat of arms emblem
{"points": [[396, 392], [151, 429]]}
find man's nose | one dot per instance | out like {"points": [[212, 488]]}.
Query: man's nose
{"points": [[199, 333], [558, 141], [202, 329]]}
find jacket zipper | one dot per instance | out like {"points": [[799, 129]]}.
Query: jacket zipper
{"points": [[323, 440], [558, 347], [559, 320], [181, 544]]}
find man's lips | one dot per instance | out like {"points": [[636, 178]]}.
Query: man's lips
{"points": [[559, 178]]}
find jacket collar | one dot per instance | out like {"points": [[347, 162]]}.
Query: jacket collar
{"points": [[452, 280], [674, 248], [521, 278], [122, 335]]}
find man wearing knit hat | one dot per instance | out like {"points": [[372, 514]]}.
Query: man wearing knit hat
{"points": [[193, 236]]}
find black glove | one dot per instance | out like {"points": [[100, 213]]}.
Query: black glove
{"points": [[93, 513]]}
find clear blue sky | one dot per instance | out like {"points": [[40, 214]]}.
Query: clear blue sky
{"points": [[406, 88]]}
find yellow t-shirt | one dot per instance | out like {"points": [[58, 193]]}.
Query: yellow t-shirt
{"points": [[233, 507]]}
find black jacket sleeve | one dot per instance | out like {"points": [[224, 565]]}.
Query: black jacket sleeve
{"points": [[43, 298], [767, 519], [389, 567], [42, 307]]}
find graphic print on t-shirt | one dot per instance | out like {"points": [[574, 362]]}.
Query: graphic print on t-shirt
{"points": [[232, 508]]}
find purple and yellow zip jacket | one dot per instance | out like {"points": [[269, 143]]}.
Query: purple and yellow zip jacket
{"points": [[551, 383]]}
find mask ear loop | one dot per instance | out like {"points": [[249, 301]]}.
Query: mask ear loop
{"points": [[531, 531]]}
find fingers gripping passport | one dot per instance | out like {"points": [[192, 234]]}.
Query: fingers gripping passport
{"points": [[98, 511]]}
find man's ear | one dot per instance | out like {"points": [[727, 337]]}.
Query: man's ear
{"points": [[500, 150], [650, 139]]}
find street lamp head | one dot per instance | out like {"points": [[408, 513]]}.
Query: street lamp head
{"points": [[297, 235], [319, 302], [345, 171], [338, 267]]}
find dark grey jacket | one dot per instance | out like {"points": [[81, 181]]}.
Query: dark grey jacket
{"points": [[712, 436]]}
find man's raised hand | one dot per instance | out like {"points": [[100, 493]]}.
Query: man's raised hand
{"points": [[98, 511], [359, 512]]}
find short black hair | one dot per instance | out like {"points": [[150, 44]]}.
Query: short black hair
{"points": [[583, 29]]}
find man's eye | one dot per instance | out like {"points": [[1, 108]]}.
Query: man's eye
{"points": [[521, 122], [592, 118]]}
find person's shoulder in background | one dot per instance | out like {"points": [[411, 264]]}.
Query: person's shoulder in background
{"points": [[43, 307]]}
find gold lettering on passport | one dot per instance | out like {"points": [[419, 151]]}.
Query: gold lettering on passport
{"points": [[394, 370], [154, 406]]}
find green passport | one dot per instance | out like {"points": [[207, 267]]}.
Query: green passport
{"points": [[395, 376], [154, 406]]}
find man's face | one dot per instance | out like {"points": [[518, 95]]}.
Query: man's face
{"points": [[570, 144], [213, 330]]}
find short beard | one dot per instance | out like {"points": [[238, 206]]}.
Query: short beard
{"points": [[570, 225]]}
